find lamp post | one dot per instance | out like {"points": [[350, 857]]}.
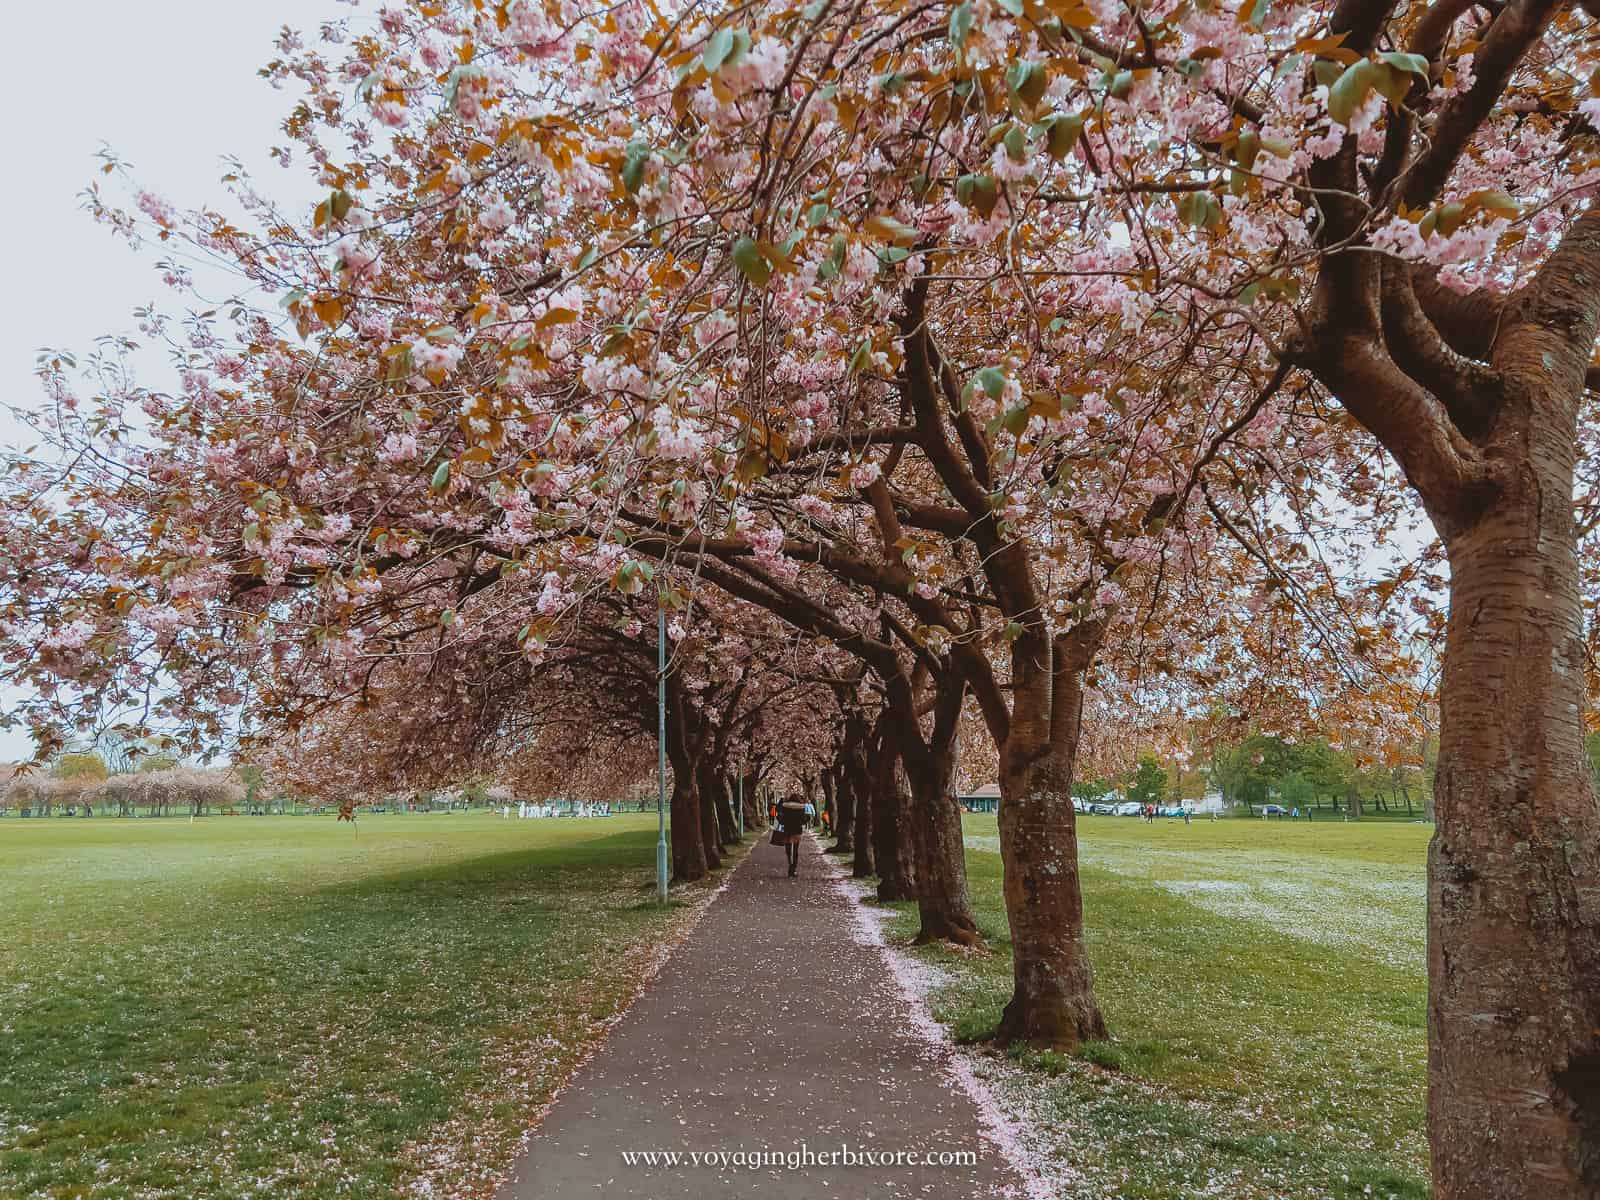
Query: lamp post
{"points": [[661, 756], [741, 805]]}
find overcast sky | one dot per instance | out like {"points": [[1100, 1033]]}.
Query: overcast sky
{"points": [[171, 85]]}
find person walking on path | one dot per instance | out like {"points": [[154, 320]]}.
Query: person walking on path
{"points": [[791, 821]]}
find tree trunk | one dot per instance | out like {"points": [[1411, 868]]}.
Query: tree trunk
{"points": [[689, 858], [864, 866], [708, 830], [845, 800], [688, 847], [1514, 865], [755, 816], [891, 816], [943, 902], [1052, 1002], [714, 793], [934, 828]]}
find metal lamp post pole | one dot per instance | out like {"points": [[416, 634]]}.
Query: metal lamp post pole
{"points": [[661, 756], [741, 805]]}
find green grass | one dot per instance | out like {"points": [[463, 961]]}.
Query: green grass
{"points": [[1264, 985], [288, 1006]]}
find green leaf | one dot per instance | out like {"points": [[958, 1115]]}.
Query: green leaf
{"points": [[1325, 71], [977, 192], [1016, 142], [1495, 201], [1027, 81], [1120, 85], [993, 381], [633, 165], [1063, 131], [1449, 217], [1414, 64], [399, 366], [1247, 147], [717, 49], [441, 478], [1349, 91], [1200, 209], [1394, 74], [862, 357], [835, 261], [962, 17], [1014, 7], [890, 229], [747, 257]]}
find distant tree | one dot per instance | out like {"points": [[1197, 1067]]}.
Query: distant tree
{"points": [[1295, 790], [1091, 789], [85, 765], [150, 763], [1149, 784]]}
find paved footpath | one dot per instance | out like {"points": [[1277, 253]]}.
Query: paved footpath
{"points": [[772, 1028]]}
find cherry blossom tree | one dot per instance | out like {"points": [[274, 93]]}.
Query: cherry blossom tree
{"points": [[1012, 321]]}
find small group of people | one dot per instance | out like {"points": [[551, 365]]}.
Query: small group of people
{"points": [[789, 818], [526, 809]]}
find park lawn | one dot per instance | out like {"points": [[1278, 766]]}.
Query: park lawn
{"points": [[1264, 984], [285, 1006]]}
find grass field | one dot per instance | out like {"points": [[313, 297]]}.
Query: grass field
{"points": [[1264, 985], [278, 1007]]}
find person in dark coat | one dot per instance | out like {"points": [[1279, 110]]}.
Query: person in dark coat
{"points": [[791, 821]]}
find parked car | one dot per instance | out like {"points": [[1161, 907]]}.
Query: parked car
{"points": [[1128, 808], [1274, 810], [1172, 810], [1079, 805], [1104, 810]]}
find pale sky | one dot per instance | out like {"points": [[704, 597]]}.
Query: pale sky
{"points": [[171, 85]]}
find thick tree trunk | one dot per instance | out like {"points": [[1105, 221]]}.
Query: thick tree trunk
{"points": [[1514, 865], [689, 858], [864, 866], [943, 902], [1052, 1002], [688, 848], [935, 825], [891, 818], [844, 816]]}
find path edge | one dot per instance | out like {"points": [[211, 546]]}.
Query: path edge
{"points": [[678, 934], [996, 1125]]}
